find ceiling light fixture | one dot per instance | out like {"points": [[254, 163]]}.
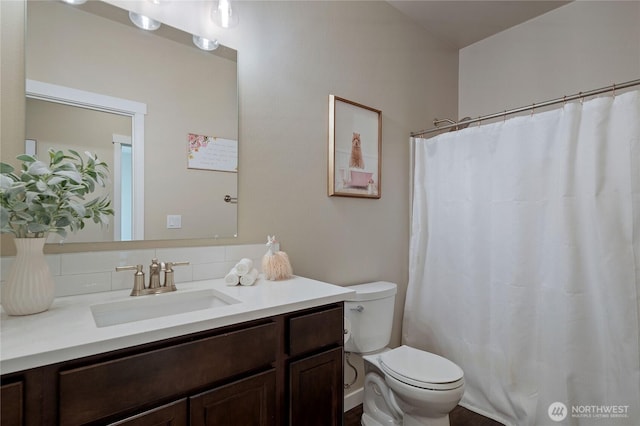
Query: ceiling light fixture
{"points": [[205, 43], [223, 15], [75, 2], [144, 22]]}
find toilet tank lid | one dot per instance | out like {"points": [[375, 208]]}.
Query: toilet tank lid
{"points": [[372, 291]]}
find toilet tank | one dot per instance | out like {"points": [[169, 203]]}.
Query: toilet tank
{"points": [[369, 316]]}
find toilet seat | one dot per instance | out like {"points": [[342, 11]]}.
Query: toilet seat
{"points": [[421, 369]]}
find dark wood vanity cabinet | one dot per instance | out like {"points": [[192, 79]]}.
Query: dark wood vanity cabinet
{"points": [[315, 375], [283, 370], [12, 403]]}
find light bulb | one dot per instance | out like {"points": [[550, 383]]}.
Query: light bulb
{"points": [[205, 43], [223, 15], [75, 2], [144, 22]]}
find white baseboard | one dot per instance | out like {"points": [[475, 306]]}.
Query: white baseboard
{"points": [[353, 398]]}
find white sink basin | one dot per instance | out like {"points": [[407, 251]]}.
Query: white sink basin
{"points": [[157, 305]]}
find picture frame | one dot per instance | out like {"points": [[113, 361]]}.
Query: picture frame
{"points": [[355, 149], [212, 153]]}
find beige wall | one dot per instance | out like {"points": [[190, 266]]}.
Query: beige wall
{"points": [[578, 47], [292, 55]]}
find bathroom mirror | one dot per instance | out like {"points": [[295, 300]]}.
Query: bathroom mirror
{"points": [[171, 190]]}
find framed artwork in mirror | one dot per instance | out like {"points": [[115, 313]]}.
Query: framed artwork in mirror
{"points": [[355, 148]]}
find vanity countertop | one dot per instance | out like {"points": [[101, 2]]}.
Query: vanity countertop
{"points": [[68, 331]]}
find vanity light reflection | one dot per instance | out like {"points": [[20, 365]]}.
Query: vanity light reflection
{"points": [[144, 22], [223, 15], [205, 43]]}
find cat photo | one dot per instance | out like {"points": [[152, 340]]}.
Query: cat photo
{"points": [[356, 152]]}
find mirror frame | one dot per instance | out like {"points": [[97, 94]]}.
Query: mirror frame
{"points": [[135, 110]]}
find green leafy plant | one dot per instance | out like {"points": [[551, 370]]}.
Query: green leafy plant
{"points": [[51, 198]]}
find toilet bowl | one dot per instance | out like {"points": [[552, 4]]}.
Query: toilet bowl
{"points": [[409, 387], [404, 386]]}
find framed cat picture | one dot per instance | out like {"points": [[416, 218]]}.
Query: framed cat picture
{"points": [[355, 149]]}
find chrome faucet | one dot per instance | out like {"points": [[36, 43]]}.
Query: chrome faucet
{"points": [[154, 287]]}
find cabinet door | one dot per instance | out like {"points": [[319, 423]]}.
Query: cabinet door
{"points": [[173, 414], [247, 402], [12, 407], [316, 390]]}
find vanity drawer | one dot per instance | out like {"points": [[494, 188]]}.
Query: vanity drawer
{"points": [[315, 330], [96, 391]]}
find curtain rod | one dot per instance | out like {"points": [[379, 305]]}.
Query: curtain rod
{"points": [[581, 95]]}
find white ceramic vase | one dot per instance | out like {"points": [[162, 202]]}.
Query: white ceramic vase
{"points": [[29, 289]]}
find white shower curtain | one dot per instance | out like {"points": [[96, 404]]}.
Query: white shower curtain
{"points": [[525, 263]]}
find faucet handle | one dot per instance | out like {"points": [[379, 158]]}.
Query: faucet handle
{"points": [[169, 281], [170, 265], [138, 278], [137, 268]]}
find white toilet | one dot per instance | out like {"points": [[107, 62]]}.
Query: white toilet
{"points": [[403, 386]]}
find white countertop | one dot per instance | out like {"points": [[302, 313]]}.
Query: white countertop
{"points": [[68, 330]]}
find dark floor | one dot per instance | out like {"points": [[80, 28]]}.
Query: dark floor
{"points": [[460, 416]]}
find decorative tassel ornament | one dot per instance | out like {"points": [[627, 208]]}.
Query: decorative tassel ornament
{"points": [[275, 263]]}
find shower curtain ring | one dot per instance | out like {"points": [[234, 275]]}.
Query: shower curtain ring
{"points": [[533, 108], [581, 98], [564, 101], [614, 90]]}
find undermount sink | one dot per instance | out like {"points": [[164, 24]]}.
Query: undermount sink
{"points": [[158, 305]]}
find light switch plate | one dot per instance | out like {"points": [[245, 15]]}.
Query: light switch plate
{"points": [[174, 221]]}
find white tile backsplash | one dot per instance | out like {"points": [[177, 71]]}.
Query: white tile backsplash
{"points": [[92, 272], [194, 255], [183, 274], [122, 280], [103, 261], [252, 251], [69, 285], [207, 271]]}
